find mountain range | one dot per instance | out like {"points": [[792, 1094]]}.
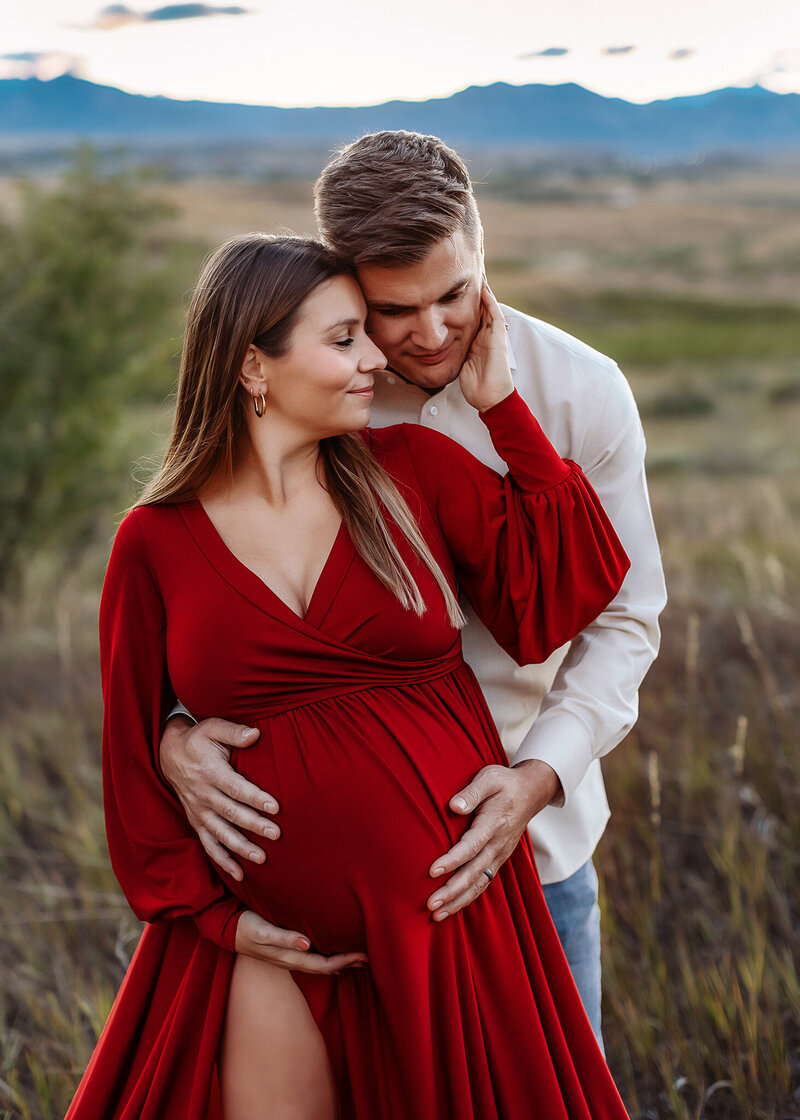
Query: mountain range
{"points": [[530, 116]]}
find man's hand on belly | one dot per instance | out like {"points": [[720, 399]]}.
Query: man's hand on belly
{"points": [[194, 759], [503, 800]]}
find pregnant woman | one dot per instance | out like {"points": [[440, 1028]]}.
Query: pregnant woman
{"points": [[287, 570]]}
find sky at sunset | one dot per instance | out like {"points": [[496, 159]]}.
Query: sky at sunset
{"points": [[349, 52]]}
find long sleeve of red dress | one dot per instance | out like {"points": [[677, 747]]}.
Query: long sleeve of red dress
{"points": [[534, 550], [156, 855]]}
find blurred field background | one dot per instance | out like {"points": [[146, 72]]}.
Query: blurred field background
{"points": [[690, 278]]}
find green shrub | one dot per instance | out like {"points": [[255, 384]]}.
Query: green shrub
{"points": [[83, 298], [678, 403]]}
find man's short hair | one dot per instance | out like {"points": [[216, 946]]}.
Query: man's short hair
{"points": [[389, 197]]}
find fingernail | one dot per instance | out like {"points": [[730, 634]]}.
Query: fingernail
{"points": [[271, 833], [459, 803], [271, 806], [255, 856], [437, 871], [248, 731], [437, 903], [303, 943], [440, 915]]}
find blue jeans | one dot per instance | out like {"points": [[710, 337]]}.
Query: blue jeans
{"points": [[576, 916]]}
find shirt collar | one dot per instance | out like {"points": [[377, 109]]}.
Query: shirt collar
{"points": [[512, 361]]}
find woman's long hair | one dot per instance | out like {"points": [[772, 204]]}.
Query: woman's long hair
{"points": [[252, 289]]}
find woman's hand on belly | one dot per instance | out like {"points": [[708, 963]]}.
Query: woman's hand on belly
{"points": [[258, 938]]}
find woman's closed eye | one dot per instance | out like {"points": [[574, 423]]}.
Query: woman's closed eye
{"points": [[344, 343]]}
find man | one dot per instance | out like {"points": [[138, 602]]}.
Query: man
{"points": [[400, 207]]}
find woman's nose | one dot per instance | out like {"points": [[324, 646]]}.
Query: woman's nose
{"points": [[373, 358]]}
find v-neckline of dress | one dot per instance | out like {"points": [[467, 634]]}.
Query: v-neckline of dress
{"points": [[257, 590]]}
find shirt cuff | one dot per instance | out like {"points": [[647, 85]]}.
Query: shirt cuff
{"points": [[563, 743], [179, 710]]}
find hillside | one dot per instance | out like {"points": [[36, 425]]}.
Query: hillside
{"points": [[550, 117]]}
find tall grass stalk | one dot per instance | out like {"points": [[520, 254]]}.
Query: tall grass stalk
{"points": [[702, 995]]}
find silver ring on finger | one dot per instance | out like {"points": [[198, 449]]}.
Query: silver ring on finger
{"points": [[488, 873]]}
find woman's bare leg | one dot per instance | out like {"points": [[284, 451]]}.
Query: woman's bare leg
{"points": [[273, 1062]]}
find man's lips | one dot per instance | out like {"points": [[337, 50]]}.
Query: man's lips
{"points": [[432, 357]]}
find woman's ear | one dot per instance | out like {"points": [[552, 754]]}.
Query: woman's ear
{"points": [[253, 375]]}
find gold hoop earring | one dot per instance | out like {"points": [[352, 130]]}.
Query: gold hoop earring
{"points": [[263, 404]]}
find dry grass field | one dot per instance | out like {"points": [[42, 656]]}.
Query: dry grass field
{"points": [[692, 282]]}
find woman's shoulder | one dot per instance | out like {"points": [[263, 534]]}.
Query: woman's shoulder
{"points": [[145, 526], [156, 514]]}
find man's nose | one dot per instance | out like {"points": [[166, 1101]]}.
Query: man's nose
{"points": [[430, 330]]}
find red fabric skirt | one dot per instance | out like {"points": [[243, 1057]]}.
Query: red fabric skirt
{"points": [[476, 1016]]}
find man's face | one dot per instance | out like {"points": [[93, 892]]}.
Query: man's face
{"points": [[424, 316]]}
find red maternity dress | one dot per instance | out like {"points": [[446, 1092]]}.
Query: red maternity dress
{"points": [[370, 721]]}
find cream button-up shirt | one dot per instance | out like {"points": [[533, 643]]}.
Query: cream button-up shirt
{"points": [[582, 701]]}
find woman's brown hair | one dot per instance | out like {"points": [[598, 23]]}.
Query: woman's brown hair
{"points": [[251, 291]]}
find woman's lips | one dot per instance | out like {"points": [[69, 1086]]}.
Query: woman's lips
{"points": [[368, 392]]}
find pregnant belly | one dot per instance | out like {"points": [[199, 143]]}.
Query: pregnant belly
{"points": [[363, 783]]}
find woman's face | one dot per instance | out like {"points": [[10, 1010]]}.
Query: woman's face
{"points": [[322, 385]]}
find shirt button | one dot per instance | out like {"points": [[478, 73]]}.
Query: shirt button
{"points": [[434, 410], [391, 380]]}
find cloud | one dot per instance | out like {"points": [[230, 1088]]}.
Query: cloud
{"points": [[193, 11], [610, 51], [39, 64], [115, 15], [681, 52], [785, 62], [120, 15], [550, 52], [24, 56]]}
